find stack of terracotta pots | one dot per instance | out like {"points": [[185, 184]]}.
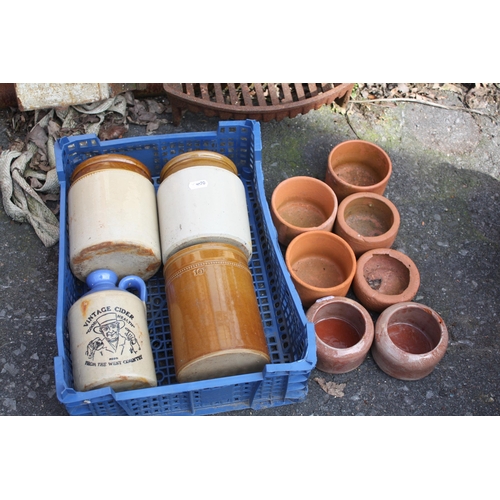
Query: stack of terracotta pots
{"points": [[337, 234], [206, 247]]}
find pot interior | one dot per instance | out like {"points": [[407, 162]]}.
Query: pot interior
{"points": [[369, 217], [386, 275], [359, 164], [320, 271], [303, 213], [414, 330], [339, 325], [357, 173]]}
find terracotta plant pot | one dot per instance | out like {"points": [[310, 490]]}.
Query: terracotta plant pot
{"points": [[301, 204], [344, 333], [320, 264], [385, 277], [358, 166], [410, 340], [367, 221]]}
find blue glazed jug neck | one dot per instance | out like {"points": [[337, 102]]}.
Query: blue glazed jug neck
{"points": [[102, 279]]}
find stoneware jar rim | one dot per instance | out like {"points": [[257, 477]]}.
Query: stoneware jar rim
{"points": [[110, 162], [204, 158]]}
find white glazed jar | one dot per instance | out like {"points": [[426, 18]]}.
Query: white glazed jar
{"points": [[108, 334], [201, 199], [112, 218]]}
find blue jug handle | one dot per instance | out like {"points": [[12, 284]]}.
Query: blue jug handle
{"points": [[134, 282]]}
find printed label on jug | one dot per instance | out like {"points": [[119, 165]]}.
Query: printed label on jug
{"points": [[114, 340], [198, 184]]}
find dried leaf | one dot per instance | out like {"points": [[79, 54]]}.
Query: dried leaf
{"points": [[53, 129], [112, 132], [155, 107], [452, 88], [152, 126], [38, 136], [335, 390]]}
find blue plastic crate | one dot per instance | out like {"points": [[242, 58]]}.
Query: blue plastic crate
{"points": [[290, 336]]}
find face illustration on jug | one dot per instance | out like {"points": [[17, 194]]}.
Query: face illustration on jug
{"points": [[113, 338]]}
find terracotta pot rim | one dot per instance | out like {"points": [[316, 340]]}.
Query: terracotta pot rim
{"points": [[367, 338], [385, 316], [313, 180], [354, 234], [414, 281], [342, 182], [327, 235]]}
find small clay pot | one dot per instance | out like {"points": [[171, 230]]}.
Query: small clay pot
{"points": [[301, 204], [367, 221], [410, 340], [358, 166], [344, 333], [385, 277], [320, 264]]}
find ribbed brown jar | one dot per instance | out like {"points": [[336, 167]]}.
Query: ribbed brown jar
{"points": [[214, 316], [112, 218]]}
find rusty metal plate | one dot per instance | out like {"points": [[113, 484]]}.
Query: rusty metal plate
{"points": [[258, 101]]}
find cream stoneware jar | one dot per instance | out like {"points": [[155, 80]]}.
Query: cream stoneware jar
{"points": [[109, 337], [201, 199], [112, 218]]}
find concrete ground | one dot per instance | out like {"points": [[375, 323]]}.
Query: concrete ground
{"points": [[445, 183]]}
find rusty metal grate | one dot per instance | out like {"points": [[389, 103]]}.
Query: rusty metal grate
{"points": [[259, 101]]}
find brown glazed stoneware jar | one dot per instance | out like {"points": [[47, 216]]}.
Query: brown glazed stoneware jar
{"points": [[301, 204], [385, 277], [320, 264], [410, 340], [214, 316], [358, 166], [367, 221], [344, 333]]}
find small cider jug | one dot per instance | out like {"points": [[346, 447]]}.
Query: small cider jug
{"points": [[109, 337]]}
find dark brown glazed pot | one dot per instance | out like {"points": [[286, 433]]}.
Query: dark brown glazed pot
{"points": [[410, 340], [320, 264], [301, 204], [366, 221], [344, 333], [358, 166], [385, 277]]}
